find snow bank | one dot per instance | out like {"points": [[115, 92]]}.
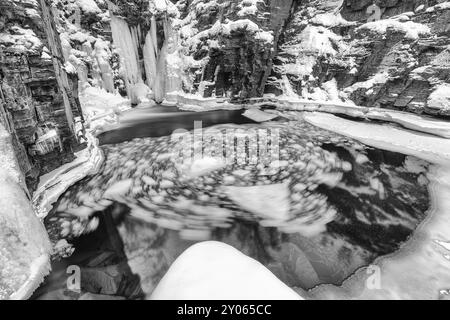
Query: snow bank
{"points": [[19, 39], [24, 244], [439, 99], [216, 271], [246, 24], [248, 7], [330, 20]]}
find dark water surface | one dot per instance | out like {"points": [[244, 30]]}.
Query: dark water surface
{"points": [[327, 206]]}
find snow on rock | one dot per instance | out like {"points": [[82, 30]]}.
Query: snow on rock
{"points": [[439, 99], [412, 30], [88, 6], [246, 24], [100, 107], [379, 78], [216, 271], [248, 7], [268, 201], [20, 40]]}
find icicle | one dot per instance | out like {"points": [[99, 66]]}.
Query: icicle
{"points": [[150, 60], [159, 86], [155, 63], [128, 50], [175, 63], [105, 70], [153, 30]]}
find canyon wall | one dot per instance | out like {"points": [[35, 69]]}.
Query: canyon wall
{"points": [[38, 98], [350, 51], [387, 53]]}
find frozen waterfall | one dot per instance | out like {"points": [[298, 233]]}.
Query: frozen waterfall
{"points": [[160, 76], [126, 40]]}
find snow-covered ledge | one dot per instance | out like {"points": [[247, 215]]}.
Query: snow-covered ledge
{"points": [[407, 120], [99, 108], [216, 271], [25, 247], [55, 183]]}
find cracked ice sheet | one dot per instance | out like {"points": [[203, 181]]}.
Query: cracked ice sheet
{"points": [[420, 269]]}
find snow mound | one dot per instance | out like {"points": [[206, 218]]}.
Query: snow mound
{"points": [[216, 271], [24, 244], [439, 99], [411, 29]]}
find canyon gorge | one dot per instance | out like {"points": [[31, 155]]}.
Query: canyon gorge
{"points": [[90, 91]]}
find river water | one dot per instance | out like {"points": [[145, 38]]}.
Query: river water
{"points": [[309, 204]]}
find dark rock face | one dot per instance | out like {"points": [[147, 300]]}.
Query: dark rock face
{"points": [[32, 96], [238, 62], [319, 50], [396, 63]]}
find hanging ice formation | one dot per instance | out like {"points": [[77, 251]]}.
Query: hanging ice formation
{"points": [[160, 77], [126, 40]]}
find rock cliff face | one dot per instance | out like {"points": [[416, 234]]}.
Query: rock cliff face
{"points": [[331, 51], [37, 95], [391, 54], [235, 42]]}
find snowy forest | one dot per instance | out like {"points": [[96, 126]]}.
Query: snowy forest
{"points": [[224, 150]]}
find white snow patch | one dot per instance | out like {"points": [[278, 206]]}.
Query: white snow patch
{"points": [[411, 29], [439, 99], [88, 6], [216, 271]]}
